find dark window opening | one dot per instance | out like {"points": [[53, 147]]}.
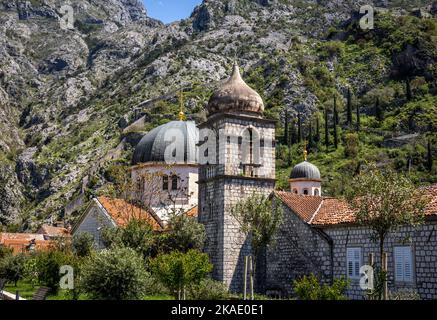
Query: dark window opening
{"points": [[174, 182], [165, 183]]}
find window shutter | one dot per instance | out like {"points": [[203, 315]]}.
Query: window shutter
{"points": [[403, 264], [353, 257], [399, 261], [408, 261]]}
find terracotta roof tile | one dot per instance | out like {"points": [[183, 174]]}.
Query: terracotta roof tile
{"points": [[192, 212], [53, 231], [431, 208], [303, 206], [122, 212], [19, 241], [326, 211]]}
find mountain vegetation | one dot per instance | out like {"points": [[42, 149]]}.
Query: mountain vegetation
{"points": [[73, 103]]}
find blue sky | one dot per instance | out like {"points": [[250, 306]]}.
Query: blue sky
{"points": [[170, 10]]}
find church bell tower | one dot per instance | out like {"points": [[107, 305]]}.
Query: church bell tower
{"points": [[237, 159]]}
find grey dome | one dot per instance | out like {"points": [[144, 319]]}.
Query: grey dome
{"points": [[153, 145], [305, 170]]}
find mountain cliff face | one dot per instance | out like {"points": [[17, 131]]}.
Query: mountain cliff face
{"points": [[71, 100]]}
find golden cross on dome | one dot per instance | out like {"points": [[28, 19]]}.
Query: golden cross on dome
{"points": [[305, 151], [182, 116]]}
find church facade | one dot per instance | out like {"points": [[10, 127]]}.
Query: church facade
{"points": [[318, 234]]}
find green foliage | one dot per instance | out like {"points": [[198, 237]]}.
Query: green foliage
{"points": [[208, 289], [352, 144], [5, 251], [176, 270], [184, 233], [47, 267], [83, 244], [259, 218], [12, 267], [114, 274], [137, 234], [310, 288]]}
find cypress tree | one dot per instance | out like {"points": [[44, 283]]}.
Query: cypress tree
{"points": [[310, 136], [358, 118], [299, 128], [378, 111], [409, 94], [286, 127], [349, 107], [429, 156], [335, 124], [317, 139], [293, 133], [326, 129]]}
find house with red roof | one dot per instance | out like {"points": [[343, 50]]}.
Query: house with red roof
{"points": [[320, 235], [104, 212]]}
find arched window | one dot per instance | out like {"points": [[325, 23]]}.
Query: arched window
{"points": [[295, 191], [305, 192], [316, 192], [174, 182], [165, 182]]}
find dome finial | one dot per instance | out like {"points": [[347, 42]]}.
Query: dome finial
{"points": [[236, 71], [182, 116], [305, 151]]}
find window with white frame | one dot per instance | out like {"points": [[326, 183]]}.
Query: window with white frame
{"points": [[403, 264], [354, 260]]}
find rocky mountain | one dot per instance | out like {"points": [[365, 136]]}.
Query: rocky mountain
{"points": [[74, 101]]}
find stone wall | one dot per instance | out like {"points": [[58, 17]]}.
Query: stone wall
{"points": [[223, 184], [297, 250], [423, 241], [302, 249]]}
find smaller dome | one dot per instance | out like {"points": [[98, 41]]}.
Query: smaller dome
{"points": [[305, 170], [235, 96]]}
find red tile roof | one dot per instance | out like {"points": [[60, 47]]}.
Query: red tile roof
{"points": [[303, 206], [192, 212], [122, 212], [431, 208], [53, 231], [327, 211], [19, 242]]}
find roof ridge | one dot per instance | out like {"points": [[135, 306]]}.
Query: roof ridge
{"points": [[316, 212]]}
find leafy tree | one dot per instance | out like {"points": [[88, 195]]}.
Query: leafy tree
{"points": [[385, 201], [317, 137], [5, 251], [114, 274], [351, 145], [83, 244], [12, 267], [176, 270], [184, 233], [47, 266], [310, 136], [310, 288], [137, 235], [258, 218], [408, 92], [379, 113]]}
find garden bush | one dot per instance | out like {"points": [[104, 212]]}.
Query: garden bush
{"points": [[310, 288], [83, 244], [114, 274], [176, 270], [208, 289], [12, 268]]}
